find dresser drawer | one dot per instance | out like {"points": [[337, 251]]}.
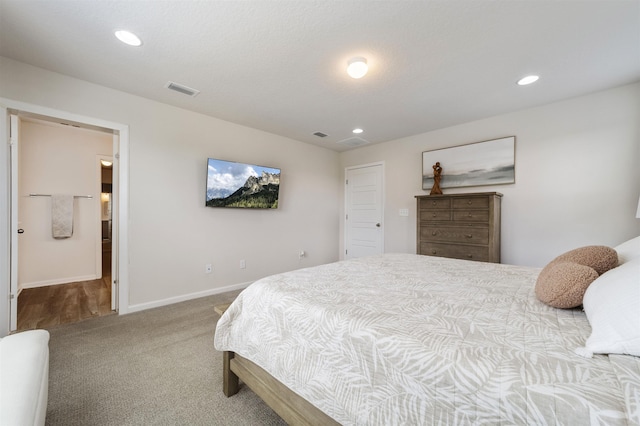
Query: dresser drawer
{"points": [[455, 251], [470, 235], [471, 203], [435, 204], [471, 215], [435, 215]]}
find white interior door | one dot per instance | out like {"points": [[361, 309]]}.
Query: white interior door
{"points": [[15, 224], [364, 230]]}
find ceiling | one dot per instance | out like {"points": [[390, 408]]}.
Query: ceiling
{"points": [[279, 65]]}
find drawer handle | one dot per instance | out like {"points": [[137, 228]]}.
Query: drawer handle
{"points": [[433, 252], [470, 256], [433, 203], [469, 236], [434, 233], [469, 215], [469, 202], [433, 215]]}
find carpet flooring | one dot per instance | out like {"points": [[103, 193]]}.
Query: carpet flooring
{"points": [[156, 367]]}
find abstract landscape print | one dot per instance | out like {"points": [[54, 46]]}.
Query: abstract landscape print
{"points": [[477, 164]]}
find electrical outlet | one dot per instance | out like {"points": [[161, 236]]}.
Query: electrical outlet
{"points": [[404, 212], [243, 264], [208, 268]]}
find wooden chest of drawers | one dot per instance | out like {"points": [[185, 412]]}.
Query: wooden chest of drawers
{"points": [[461, 226]]}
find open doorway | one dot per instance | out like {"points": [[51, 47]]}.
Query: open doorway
{"points": [[12, 110], [63, 278]]}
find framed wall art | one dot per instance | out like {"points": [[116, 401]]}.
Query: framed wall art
{"points": [[477, 164]]}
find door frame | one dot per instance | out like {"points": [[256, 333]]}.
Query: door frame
{"points": [[346, 196], [121, 156], [14, 124]]}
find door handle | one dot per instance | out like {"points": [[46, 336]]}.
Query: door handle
{"points": [[20, 231], [378, 225]]}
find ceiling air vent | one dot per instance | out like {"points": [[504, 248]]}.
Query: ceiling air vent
{"points": [[185, 90], [320, 134], [353, 142]]}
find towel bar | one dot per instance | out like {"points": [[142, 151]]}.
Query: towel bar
{"points": [[49, 195]]}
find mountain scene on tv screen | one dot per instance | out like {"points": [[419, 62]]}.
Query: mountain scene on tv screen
{"points": [[260, 192]]}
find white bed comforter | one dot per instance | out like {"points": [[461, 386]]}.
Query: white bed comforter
{"points": [[416, 340]]}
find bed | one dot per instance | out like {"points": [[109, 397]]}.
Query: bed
{"points": [[411, 340]]}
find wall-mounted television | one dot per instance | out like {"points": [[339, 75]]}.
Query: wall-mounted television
{"points": [[239, 185]]}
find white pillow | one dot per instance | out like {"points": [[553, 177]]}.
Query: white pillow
{"points": [[628, 250], [612, 305]]}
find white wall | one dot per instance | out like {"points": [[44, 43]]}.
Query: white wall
{"points": [[576, 183], [577, 175], [57, 159], [171, 234]]}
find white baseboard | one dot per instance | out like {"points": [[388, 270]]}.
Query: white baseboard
{"points": [[164, 302], [57, 281]]}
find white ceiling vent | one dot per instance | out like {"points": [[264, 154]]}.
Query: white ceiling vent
{"points": [[353, 142], [185, 90], [320, 134]]}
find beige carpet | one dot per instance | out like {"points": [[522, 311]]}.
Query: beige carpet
{"points": [[156, 367]]}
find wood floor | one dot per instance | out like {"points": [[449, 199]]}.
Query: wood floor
{"points": [[44, 307]]}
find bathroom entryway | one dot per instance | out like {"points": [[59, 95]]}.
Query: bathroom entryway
{"points": [[19, 279], [64, 277]]}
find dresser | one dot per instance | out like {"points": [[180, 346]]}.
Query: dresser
{"points": [[461, 226]]}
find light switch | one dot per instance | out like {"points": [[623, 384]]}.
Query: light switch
{"points": [[404, 212]]}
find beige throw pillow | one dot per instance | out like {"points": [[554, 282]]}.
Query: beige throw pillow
{"points": [[563, 282]]}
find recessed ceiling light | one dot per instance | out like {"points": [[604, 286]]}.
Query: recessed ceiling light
{"points": [[528, 80], [128, 38], [357, 67], [356, 131]]}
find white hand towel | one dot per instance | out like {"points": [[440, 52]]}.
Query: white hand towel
{"points": [[62, 216]]}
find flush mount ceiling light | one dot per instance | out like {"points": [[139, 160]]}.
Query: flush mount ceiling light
{"points": [[128, 38], [357, 131], [106, 163], [357, 67], [528, 80]]}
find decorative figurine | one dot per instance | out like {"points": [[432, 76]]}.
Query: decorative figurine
{"points": [[437, 173]]}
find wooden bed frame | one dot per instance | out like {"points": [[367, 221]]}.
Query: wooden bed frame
{"points": [[293, 409]]}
